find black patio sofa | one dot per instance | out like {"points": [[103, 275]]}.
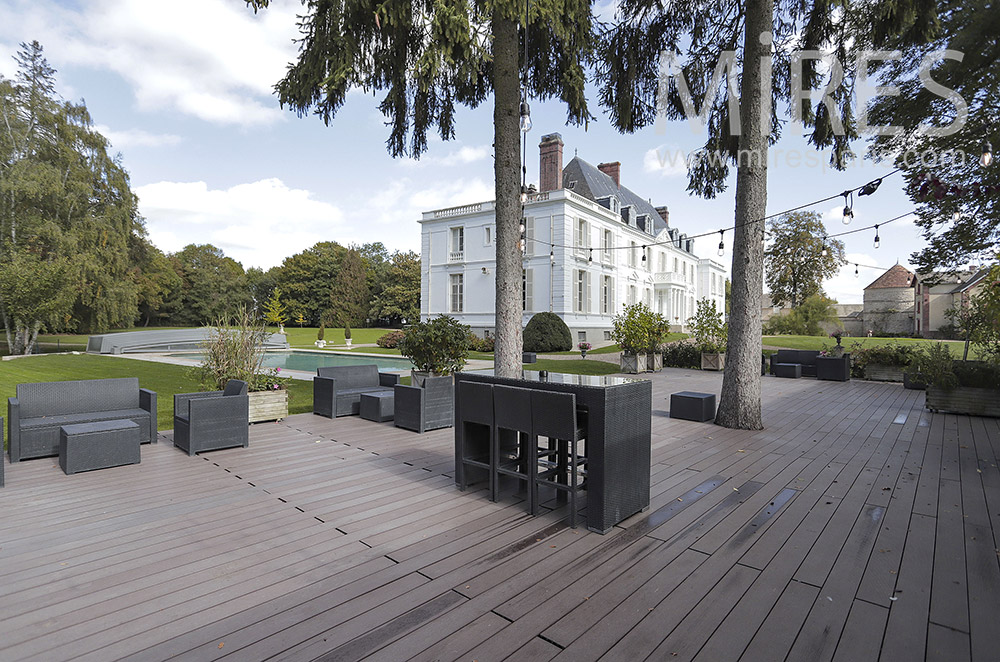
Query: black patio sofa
{"points": [[35, 416], [337, 389], [804, 357]]}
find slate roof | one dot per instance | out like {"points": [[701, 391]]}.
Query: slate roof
{"points": [[593, 184], [897, 276]]}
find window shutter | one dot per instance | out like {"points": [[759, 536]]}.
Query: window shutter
{"points": [[589, 297], [529, 290], [529, 236]]}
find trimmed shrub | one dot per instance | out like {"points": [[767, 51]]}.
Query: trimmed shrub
{"points": [[681, 355], [482, 345], [390, 340], [546, 332]]}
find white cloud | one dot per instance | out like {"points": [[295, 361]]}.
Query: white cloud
{"points": [[261, 223], [8, 67], [136, 138], [667, 160], [212, 59], [460, 157], [257, 224]]}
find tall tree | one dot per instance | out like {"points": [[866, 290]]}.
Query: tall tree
{"points": [[157, 281], [214, 286], [66, 211], [958, 199], [429, 56], [399, 298], [305, 279], [698, 36], [349, 292], [800, 257]]}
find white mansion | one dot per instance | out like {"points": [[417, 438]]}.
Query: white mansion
{"points": [[585, 234]]}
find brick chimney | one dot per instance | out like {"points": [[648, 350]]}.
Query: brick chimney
{"points": [[664, 214], [550, 169], [612, 170]]}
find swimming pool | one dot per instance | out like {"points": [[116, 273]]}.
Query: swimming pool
{"points": [[309, 361]]}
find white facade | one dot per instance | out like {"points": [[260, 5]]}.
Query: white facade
{"points": [[597, 266]]}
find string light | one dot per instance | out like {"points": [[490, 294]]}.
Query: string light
{"points": [[848, 207], [525, 117], [987, 158], [591, 258], [643, 253], [722, 245], [824, 246], [855, 270], [552, 256], [877, 241]]}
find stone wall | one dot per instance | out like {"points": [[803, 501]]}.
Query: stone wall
{"points": [[888, 310]]}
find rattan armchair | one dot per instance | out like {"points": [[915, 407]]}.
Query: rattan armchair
{"points": [[429, 407], [213, 420]]}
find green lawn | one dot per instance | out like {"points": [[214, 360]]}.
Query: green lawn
{"points": [[306, 336], [163, 378], [820, 342]]}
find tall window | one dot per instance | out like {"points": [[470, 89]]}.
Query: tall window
{"points": [[631, 254], [606, 245], [606, 290], [488, 235], [457, 244], [457, 292], [675, 265], [631, 295], [580, 295], [529, 236]]}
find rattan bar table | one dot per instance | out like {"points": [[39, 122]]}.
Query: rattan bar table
{"points": [[618, 438]]}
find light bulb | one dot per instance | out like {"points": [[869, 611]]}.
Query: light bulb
{"points": [[824, 250], [722, 249], [643, 253], [848, 215], [525, 117], [552, 256], [591, 258], [855, 271], [987, 157], [877, 241]]}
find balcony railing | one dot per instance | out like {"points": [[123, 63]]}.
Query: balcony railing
{"points": [[456, 256], [669, 278]]}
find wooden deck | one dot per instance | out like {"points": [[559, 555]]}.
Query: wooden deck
{"points": [[856, 527]]}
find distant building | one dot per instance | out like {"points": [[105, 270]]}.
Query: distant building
{"points": [[589, 251], [889, 303], [936, 293]]}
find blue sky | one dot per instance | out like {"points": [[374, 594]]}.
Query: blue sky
{"points": [[182, 89]]}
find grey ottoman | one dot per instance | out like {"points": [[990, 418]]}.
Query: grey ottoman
{"points": [[692, 406], [378, 407], [529, 357], [789, 370], [99, 445]]}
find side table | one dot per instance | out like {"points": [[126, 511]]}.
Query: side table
{"points": [[378, 407]]}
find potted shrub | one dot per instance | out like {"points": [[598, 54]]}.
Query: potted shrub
{"points": [[438, 347], [884, 363], [234, 350], [957, 387], [631, 329], [710, 335], [347, 335], [320, 342]]}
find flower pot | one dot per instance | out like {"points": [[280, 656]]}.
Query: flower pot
{"points": [[883, 373], [654, 362], [964, 400], [633, 364], [347, 342], [916, 383], [713, 360], [583, 353], [321, 343], [417, 377], [268, 405]]}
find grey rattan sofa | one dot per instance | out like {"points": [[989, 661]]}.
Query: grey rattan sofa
{"points": [[35, 416], [213, 420], [337, 389], [428, 408]]}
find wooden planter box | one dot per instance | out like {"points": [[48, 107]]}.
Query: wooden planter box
{"points": [[268, 405], [834, 368], [883, 373], [654, 362], [633, 364], [914, 383], [713, 361], [964, 400]]}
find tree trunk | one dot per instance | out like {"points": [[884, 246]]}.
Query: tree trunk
{"points": [[506, 166], [739, 404]]}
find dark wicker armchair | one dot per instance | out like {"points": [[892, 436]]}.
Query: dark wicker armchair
{"points": [[213, 420], [428, 408]]}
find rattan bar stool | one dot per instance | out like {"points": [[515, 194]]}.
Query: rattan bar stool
{"points": [[476, 402], [514, 442], [559, 464]]}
